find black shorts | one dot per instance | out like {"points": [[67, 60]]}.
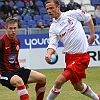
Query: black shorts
{"points": [[6, 76]]}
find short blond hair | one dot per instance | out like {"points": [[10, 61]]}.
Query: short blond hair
{"points": [[11, 20]]}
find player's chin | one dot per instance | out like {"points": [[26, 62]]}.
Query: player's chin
{"points": [[51, 16]]}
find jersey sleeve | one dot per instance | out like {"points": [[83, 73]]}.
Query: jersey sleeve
{"points": [[80, 15], [53, 39]]}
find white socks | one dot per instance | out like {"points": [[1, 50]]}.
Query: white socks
{"points": [[53, 93], [88, 92]]}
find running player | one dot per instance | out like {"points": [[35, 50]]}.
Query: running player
{"points": [[67, 28]]}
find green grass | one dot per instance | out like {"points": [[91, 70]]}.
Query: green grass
{"points": [[67, 93]]}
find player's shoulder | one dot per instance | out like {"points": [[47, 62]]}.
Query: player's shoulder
{"points": [[16, 39], [2, 37], [73, 11]]}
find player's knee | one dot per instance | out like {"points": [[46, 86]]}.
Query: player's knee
{"points": [[43, 79], [16, 81], [78, 87], [58, 82]]}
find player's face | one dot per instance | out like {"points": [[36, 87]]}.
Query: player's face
{"points": [[53, 10], [12, 30]]}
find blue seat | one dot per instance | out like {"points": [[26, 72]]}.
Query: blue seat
{"points": [[37, 17], [11, 3], [23, 22], [39, 4], [97, 21], [43, 11], [31, 23], [85, 24], [33, 26], [48, 21], [25, 26], [4, 23], [27, 4], [26, 18], [43, 22], [46, 17], [20, 4], [20, 17], [95, 2], [1, 3]]}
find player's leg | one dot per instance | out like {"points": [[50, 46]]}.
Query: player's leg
{"points": [[17, 81], [40, 81], [61, 79], [12, 81], [86, 90]]}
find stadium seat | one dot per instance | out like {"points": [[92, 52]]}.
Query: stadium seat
{"points": [[39, 4], [20, 4], [78, 1], [33, 26], [4, 23], [20, 17], [27, 4], [66, 1], [1, 3], [25, 26], [83, 8], [48, 21], [95, 2], [97, 21], [23, 22], [43, 21], [90, 8], [43, 11], [37, 17], [31, 23], [46, 17], [11, 3], [85, 24], [86, 2], [26, 18]]}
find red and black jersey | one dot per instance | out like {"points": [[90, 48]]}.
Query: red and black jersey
{"points": [[9, 50]]}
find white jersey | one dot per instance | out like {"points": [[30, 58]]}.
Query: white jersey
{"points": [[68, 29]]}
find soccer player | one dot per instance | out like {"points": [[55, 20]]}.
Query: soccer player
{"points": [[67, 28], [11, 74]]}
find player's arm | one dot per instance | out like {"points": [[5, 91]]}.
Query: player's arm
{"points": [[53, 44], [81, 15], [91, 28]]}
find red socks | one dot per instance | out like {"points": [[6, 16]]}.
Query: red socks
{"points": [[22, 93], [40, 90]]}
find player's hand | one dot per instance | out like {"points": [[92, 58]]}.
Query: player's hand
{"points": [[91, 39], [48, 58]]}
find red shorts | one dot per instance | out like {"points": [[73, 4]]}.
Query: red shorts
{"points": [[77, 63]]}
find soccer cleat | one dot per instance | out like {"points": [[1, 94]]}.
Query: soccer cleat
{"points": [[99, 96]]}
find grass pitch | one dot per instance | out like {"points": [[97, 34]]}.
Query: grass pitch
{"points": [[67, 93]]}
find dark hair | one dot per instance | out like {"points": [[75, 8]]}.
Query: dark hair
{"points": [[56, 2], [7, 1]]}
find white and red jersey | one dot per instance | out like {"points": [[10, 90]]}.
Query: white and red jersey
{"points": [[68, 29]]}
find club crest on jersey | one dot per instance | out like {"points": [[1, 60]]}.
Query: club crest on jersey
{"points": [[17, 47], [70, 21]]}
